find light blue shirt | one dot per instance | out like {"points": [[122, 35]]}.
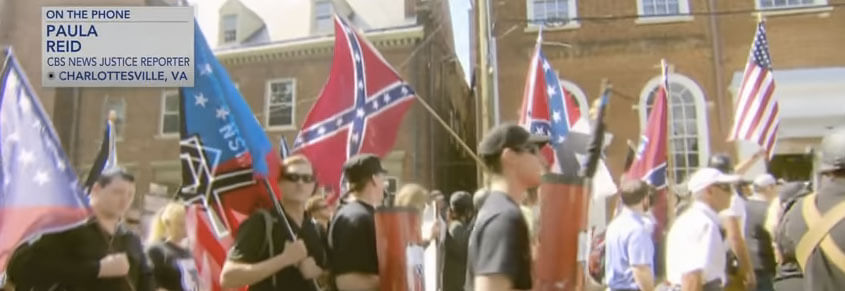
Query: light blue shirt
{"points": [[628, 242]]}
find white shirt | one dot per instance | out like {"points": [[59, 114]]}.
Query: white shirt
{"points": [[695, 243], [737, 209]]}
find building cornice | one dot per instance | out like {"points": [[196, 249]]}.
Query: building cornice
{"points": [[317, 45]]}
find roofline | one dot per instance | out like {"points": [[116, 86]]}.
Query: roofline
{"points": [[402, 36]]}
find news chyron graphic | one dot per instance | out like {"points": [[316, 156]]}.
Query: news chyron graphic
{"points": [[117, 46]]}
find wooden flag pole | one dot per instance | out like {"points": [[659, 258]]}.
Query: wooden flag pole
{"points": [[457, 137], [665, 70]]}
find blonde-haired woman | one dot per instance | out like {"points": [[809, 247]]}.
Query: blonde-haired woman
{"points": [[173, 265]]}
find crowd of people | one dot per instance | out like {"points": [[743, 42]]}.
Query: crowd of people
{"points": [[732, 234], [724, 238]]}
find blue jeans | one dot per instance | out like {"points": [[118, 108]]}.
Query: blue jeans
{"points": [[764, 281]]}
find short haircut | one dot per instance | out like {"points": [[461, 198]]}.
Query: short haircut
{"points": [[493, 163], [108, 176], [634, 191]]}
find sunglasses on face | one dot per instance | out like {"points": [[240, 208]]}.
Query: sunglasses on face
{"points": [[293, 177]]}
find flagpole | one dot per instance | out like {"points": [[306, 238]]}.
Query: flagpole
{"points": [[665, 69], [450, 131], [285, 220]]}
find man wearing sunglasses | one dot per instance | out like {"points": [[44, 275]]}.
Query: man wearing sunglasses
{"points": [[352, 232], [499, 254], [696, 253], [279, 261]]}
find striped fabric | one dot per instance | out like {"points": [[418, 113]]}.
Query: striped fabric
{"points": [[757, 114]]}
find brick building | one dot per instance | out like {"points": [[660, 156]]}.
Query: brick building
{"points": [[707, 42], [279, 55]]}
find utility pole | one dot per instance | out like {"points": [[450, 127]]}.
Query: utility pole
{"points": [[483, 101]]}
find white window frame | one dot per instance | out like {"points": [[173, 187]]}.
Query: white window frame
{"points": [[223, 27], [700, 111], [316, 29], [571, 24], [816, 3], [267, 95], [682, 16], [578, 94], [164, 94]]}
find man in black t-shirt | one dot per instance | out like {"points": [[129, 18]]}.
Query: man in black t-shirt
{"points": [[100, 254], [352, 231], [279, 262], [499, 256]]}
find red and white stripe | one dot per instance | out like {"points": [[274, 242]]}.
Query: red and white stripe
{"points": [[757, 115]]}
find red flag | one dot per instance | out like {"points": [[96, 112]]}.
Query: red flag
{"points": [[757, 115], [547, 109], [650, 161], [359, 110]]}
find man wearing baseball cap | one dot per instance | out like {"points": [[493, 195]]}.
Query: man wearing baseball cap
{"points": [[352, 232], [499, 255], [696, 253]]}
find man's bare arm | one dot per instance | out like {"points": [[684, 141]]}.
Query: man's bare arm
{"points": [[740, 249], [357, 281], [237, 274], [692, 281], [497, 282], [643, 277]]}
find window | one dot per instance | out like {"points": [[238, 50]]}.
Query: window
{"points": [[662, 7], [170, 112], [280, 103], [323, 16], [776, 4], [689, 144], [230, 28], [551, 12], [578, 94], [118, 105]]}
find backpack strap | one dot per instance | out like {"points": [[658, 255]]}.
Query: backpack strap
{"points": [[268, 228], [818, 233]]}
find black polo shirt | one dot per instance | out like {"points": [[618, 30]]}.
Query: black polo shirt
{"points": [[499, 243], [251, 246], [70, 259], [352, 240]]}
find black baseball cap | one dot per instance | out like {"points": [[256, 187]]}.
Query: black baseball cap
{"points": [[508, 135], [361, 167]]}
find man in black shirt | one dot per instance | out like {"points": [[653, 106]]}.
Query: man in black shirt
{"points": [[457, 238], [499, 255], [279, 262], [99, 254], [352, 232], [759, 240]]}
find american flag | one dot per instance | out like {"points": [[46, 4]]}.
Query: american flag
{"points": [[757, 116], [39, 191], [359, 110]]}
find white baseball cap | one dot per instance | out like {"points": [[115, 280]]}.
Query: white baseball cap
{"points": [[764, 180], [705, 177]]}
